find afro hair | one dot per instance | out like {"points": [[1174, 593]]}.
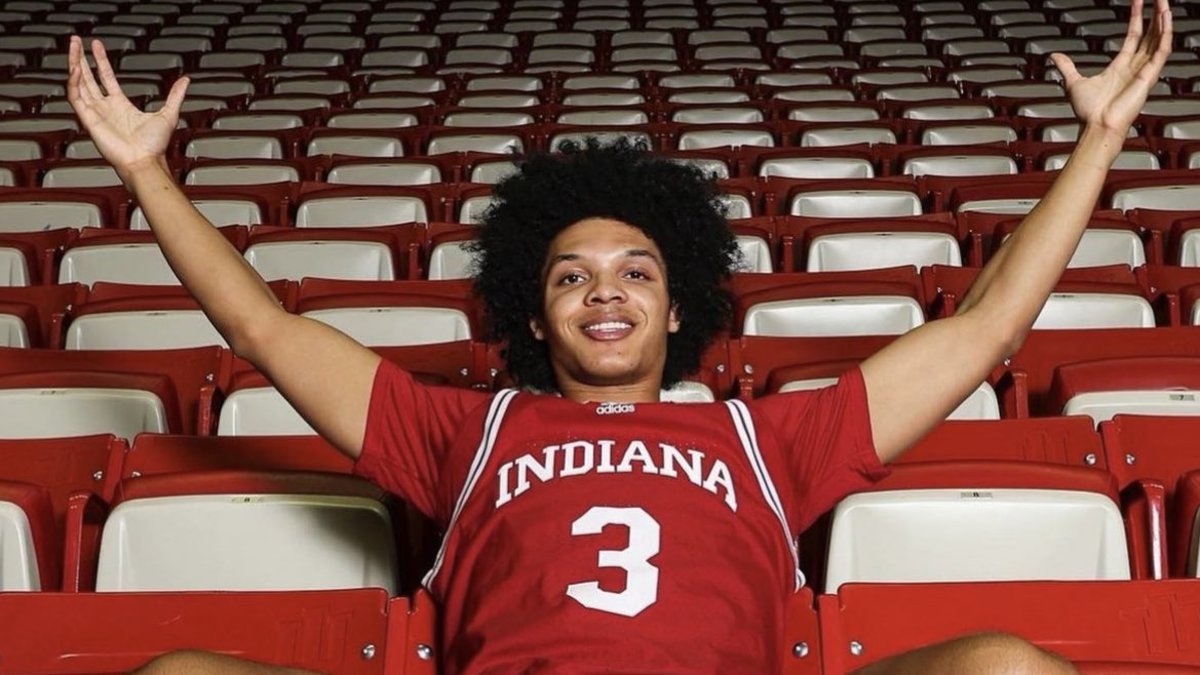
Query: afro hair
{"points": [[674, 204]]}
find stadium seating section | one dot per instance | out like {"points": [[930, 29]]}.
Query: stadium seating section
{"points": [[872, 155]]}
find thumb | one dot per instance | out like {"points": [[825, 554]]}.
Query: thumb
{"points": [[175, 97], [1067, 67]]}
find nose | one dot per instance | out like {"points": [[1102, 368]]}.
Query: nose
{"points": [[605, 288]]}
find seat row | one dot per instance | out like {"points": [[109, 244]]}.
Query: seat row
{"points": [[1101, 626], [1161, 203], [137, 387], [1138, 521], [887, 301]]}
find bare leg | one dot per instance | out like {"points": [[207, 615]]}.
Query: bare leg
{"points": [[980, 654], [193, 662]]}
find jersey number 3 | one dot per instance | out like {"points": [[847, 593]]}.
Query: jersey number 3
{"points": [[641, 578]]}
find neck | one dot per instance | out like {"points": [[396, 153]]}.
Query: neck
{"points": [[622, 393]]}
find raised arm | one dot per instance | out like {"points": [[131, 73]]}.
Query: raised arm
{"points": [[326, 375], [917, 380]]}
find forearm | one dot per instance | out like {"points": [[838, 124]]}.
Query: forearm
{"points": [[1015, 283], [233, 296]]}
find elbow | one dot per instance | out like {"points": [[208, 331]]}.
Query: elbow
{"points": [[1003, 332], [249, 337]]}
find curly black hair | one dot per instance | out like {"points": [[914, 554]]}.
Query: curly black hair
{"points": [[674, 204]]}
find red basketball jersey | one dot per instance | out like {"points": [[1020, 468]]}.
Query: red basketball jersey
{"points": [[615, 537]]}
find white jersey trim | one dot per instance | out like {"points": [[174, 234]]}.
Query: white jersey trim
{"points": [[744, 424], [491, 429]]}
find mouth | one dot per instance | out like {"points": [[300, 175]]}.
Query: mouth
{"points": [[609, 329]]}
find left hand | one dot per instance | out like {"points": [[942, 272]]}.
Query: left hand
{"points": [[1112, 99]]}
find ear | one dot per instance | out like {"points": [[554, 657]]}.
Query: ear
{"points": [[673, 319], [535, 327]]}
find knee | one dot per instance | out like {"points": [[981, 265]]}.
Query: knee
{"points": [[181, 662], [1005, 654]]}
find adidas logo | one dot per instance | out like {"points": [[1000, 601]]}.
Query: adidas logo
{"points": [[614, 408]]}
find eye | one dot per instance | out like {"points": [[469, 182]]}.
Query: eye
{"points": [[570, 278], [637, 274]]}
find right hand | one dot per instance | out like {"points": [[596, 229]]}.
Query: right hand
{"points": [[124, 135]]}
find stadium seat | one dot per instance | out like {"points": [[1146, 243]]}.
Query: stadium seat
{"points": [[883, 243], [31, 316], [1148, 385], [364, 253], [1152, 455], [253, 407], [28, 555], [362, 207], [1043, 351], [392, 313], [822, 304], [247, 531], [119, 316], [852, 199], [982, 521], [1101, 626], [122, 631], [119, 392], [36, 210]]}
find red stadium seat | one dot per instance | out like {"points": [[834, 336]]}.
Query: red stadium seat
{"points": [[1129, 627], [344, 631], [31, 316], [1153, 455], [363, 253], [1027, 388], [183, 379], [802, 635], [1069, 441], [888, 307], [382, 311], [978, 521], [29, 550]]}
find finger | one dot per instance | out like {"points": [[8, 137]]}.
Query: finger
{"points": [[107, 77], [89, 82], [77, 93], [1067, 67], [175, 98], [1133, 34]]}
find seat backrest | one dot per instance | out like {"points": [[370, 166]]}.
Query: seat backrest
{"points": [[224, 532], [855, 203], [841, 315], [142, 329], [122, 263], [322, 258], [360, 211], [972, 531], [872, 250], [260, 411], [1095, 310], [31, 216], [384, 326], [46, 412], [451, 260], [218, 211], [26, 536]]}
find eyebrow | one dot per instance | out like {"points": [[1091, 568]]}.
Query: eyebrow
{"points": [[630, 253]]}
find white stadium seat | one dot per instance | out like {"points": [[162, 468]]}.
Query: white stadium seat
{"points": [[975, 534]]}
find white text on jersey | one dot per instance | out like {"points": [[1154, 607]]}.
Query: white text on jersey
{"points": [[578, 458]]}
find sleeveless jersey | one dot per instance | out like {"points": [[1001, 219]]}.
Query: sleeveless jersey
{"points": [[615, 537]]}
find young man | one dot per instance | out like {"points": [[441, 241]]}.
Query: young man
{"points": [[590, 527]]}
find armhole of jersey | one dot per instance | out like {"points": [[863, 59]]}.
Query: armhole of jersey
{"points": [[491, 428], [744, 425]]}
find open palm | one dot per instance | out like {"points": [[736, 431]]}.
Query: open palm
{"points": [[1113, 98], [124, 135]]}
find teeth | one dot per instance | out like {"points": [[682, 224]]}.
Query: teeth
{"points": [[609, 325]]}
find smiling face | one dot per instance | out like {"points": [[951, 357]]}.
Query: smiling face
{"points": [[605, 312]]}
